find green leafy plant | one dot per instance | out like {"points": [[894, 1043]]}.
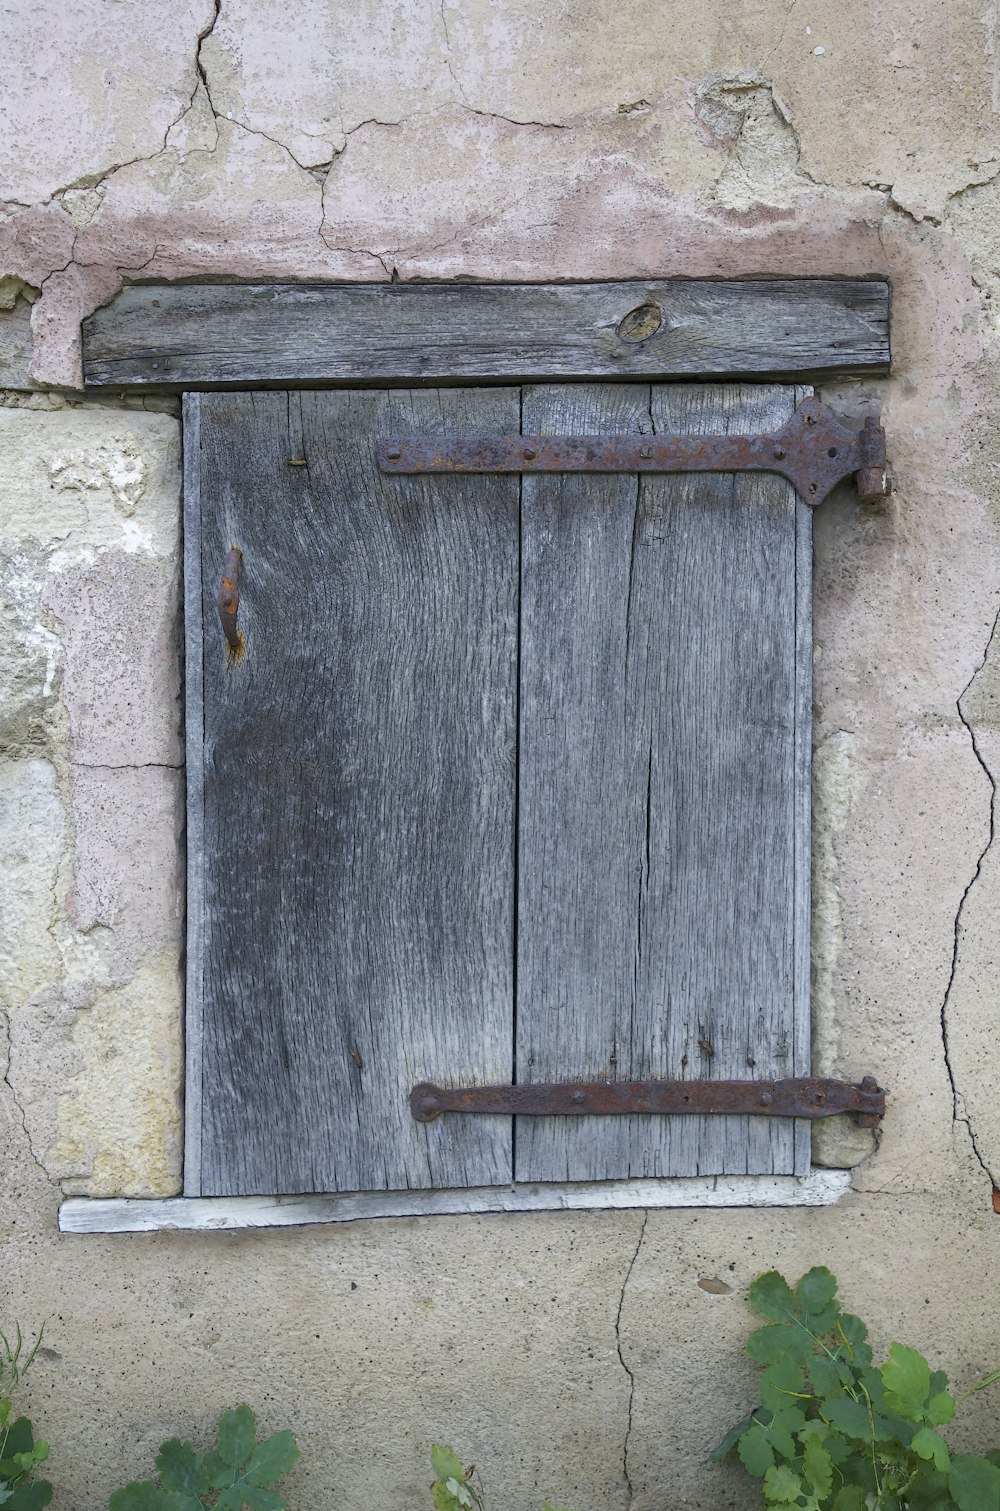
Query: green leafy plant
{"points": [[836, 1433], [455, 1488], [20, 1452], [237, 1472]]}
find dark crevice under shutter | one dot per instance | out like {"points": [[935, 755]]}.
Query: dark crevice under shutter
{"points": [[512, 776]]}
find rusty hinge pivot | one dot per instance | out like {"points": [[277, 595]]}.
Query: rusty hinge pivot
{"points": [[796, 1097], [813, 451]]}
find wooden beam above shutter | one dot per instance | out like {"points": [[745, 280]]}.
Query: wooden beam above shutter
{"points": [[229, 335]]}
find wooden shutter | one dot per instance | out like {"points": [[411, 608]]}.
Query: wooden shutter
{"points": [[510, 781], [352, 897], [663, 907]]}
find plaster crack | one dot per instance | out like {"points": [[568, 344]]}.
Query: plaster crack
{"points": [[621, 1358], [959, 1114], [18, 1107], [202, 38], [447, 57], [130, 766]]}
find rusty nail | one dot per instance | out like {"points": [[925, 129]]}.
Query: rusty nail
{"points": [[766, 1099], [779, 453], [529, 454], [229, 603], [646, 453], [394, 454]]}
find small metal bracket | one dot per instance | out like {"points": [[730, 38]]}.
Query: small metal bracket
{"points": [[813, 451], [797, 1097]]}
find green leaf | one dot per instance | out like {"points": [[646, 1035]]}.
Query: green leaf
{"points": [[828, 1377], [182, 1468], [729, 1442], [445, 1463], [817, 1466], [906, 1376], [816, 1290], [974, 1483], [230, 1499], [849, 1498], [782, 1427], [31, 1497], [180, 1500], [847, 1416], [781, 1382], [20, 1438], [236, 1436], [779, 1341], [853, 1333], [137, 1495], [271, 1459], [781, 1486], [771, 1296], [262, 1500], [756, 1454], [927, 1444], [940, 1409]]}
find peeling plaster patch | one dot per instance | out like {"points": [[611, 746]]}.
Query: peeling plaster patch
{"points": [[31, 656], [744, 116], [81, 205], [119, 1122], [86, 478], [12, 289], [116, 465]]}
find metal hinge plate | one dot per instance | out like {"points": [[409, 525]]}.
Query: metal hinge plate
{"points": [[797, 1097], [813, 451]]}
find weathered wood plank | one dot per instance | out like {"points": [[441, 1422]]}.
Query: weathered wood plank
{"points": [[658, 794], [214, 1214], [231, 334], [358, 794], [194, 731]]}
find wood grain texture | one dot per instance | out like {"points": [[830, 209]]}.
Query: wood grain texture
{"points": [[358, 794], [213, 1214], [658, 786], [194, 731], [230, 334]]}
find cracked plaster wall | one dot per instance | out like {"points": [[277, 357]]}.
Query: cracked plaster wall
{"points": [[593, 1356]]}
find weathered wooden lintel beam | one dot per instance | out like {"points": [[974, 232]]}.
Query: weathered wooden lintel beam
{"points": [[239, 335]]}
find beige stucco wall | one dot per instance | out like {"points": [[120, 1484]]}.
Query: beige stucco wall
{"points": [[571, 1353]]}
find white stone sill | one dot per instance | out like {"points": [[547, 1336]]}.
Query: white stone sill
{"points": [[205, 1214]]}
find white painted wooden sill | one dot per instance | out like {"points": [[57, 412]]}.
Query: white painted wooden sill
{"points": [[84, 1214]]}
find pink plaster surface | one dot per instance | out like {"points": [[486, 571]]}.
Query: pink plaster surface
{"points": [[127, 869], [121, 687]]}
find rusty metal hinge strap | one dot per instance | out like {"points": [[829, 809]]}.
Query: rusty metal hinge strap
{"points": [[813, 451], [798, 1097]]}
